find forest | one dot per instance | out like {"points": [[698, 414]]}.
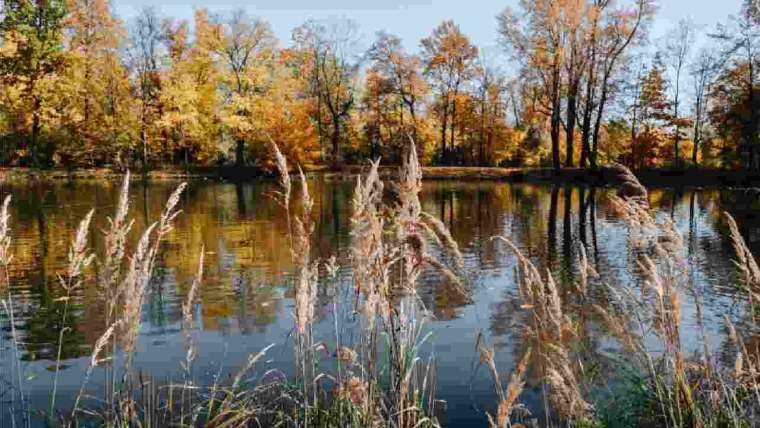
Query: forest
{"points": [[587, 84]]}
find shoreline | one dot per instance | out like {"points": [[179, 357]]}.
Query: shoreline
{"points": [[604, 176]]}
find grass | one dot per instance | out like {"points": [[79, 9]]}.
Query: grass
{"points": [[382, 380], [653, 388]]}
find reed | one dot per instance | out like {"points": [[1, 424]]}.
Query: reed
{"points": [[115, 249], [71, 281], [687, 391], [17, 381], [550, 328], [381, 378], [507, 396], [669, 387], [381, 381]]}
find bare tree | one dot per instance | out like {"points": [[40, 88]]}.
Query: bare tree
{"points": [[400, 69], [635, 114], [620, 31], [679, 42], [702, 71], [144, 53], [333, 47], [591, 76], [536, 39], [577, 18]]}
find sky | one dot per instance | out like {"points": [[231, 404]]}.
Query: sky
{"points": [[411, 19]]}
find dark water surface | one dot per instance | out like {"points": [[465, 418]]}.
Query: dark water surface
{"points": [[246, 297]]}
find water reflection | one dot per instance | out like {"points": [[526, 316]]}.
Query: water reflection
{"points": [[246, 296]]}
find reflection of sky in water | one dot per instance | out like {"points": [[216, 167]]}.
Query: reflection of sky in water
{"points": [[246, 301]]}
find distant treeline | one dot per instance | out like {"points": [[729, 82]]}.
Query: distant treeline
{"points": [[80, 87]]}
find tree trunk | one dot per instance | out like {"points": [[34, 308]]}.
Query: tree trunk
{"points": [[481, 139], [634, 138], [697, 130], [555, 118], [453, 126], [36, 126], [414, 122], [635, 121], [444, 125], [572, 100], [144, 138], [240, 152], [489, 146], [677, 136], [555, 125], [599, 118], [336, 142], [589, 101], [586, 128], [753, 128]]}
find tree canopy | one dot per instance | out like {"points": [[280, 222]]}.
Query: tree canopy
{"points": [[82, 88]]}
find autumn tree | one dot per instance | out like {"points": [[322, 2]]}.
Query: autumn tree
{"points": [[634, 89], [395, 86], [98, 106], [177, 98], [331, 49], [448, 58], [654, 112], [79, 90], [578, 22], [535, 36], [31, 60], [285, 114], [618, 29], [592, 53], [740, 40], [245, 46], [382, 118], [491, 111], [189, 96]]}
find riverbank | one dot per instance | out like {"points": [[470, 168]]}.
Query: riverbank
{"points": [[650, 177]]}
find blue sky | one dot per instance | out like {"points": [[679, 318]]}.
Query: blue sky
{"points": [[411, 19]]}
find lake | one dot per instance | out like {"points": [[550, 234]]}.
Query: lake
{"points": [[246, 300]]}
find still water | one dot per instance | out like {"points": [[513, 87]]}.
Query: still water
{"points": [[246, 300]]}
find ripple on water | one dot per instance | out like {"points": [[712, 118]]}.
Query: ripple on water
{"points": [[245, 300]]}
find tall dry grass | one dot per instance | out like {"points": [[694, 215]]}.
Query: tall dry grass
{"points": [[664, 385], [387, 257], [380, 378], [17, 398]]}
